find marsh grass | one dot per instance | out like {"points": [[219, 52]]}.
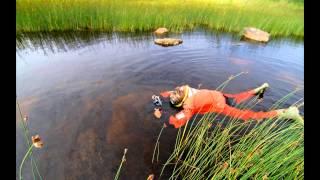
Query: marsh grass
{"points": [[227, 148], [280, 18]]}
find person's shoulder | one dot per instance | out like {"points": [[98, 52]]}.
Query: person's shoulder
{"points": [[206, 93], [193, 91]]}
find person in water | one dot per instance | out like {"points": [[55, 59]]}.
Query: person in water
{"points": [[203, 101]]}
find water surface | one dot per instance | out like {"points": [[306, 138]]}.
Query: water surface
{"points": [[89, 94]]}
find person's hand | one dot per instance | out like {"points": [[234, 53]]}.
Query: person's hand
{"points": [[150, 177], [157, 113]]}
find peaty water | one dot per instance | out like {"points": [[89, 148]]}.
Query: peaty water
{"points": [[88, 95]]}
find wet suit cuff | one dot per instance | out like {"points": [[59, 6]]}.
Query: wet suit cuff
{"points": [[165, 94]]}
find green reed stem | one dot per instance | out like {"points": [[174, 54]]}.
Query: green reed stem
{"points": [[157, 143], [24, 158], [122, 161]]}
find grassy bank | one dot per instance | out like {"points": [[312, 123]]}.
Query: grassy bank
{"points": [[284, 18]]}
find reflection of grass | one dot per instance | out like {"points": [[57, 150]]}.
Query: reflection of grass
{"points": [[233, 149], [276, 17], [71, 40]]}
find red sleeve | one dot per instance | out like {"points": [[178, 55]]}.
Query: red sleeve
{"points": [[180, 118], [165, 94]]}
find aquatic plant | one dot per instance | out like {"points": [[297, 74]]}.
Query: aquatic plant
{"points": [[36, 142], [157, 146], [280, 18], [226, 148]]}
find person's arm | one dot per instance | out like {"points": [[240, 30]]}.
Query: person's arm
{"points": [[166, 94], [181, 118]]}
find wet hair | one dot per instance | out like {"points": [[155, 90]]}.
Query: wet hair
{"points": [[177, 95]]}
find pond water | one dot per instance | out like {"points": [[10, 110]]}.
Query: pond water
{"points": [[88, 95]]}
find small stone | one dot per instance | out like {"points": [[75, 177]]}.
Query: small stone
{"points": [[168, 41], [161, 30], [256, 34]]}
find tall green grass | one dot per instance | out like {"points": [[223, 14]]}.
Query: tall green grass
{"points": [[280, 18], [272, 149], [215, 148]]}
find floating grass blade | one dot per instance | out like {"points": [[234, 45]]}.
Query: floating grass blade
{"points": [[157, 144], [23, 160], [122, 161]]}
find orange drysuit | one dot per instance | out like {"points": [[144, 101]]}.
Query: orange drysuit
{"points": [[205, 101]]}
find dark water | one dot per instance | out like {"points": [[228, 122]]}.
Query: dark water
{"points": [[89, 95]]}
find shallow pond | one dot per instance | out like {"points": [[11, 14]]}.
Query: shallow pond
{"points": [[89, 94]]}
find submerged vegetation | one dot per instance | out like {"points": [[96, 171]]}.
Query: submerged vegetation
{"points": [[231, 149], [280, 18]]}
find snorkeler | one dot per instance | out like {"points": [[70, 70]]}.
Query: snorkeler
{"points": [[203, 101]]}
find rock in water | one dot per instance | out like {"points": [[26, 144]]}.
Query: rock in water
{"points": [[161, 31], [256, 34], [168, 41]]}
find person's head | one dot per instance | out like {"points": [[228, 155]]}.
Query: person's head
{"points": [[178, 95]]}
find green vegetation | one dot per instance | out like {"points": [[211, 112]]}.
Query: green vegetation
{"points": [[280, 18], [230, 149], [272, 150]]}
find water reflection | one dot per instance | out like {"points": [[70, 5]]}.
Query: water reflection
{"points": [[55, 42]]}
